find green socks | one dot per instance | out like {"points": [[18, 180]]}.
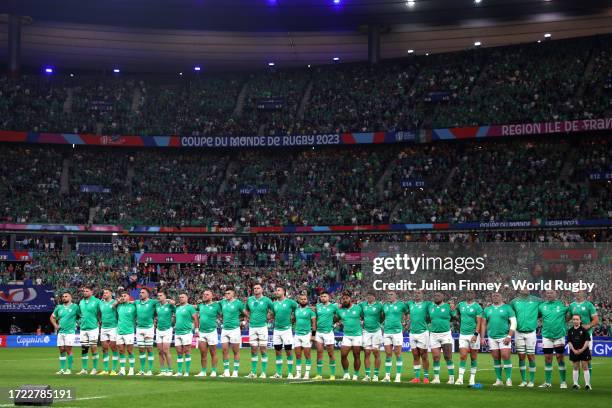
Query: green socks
{"points": [[69, 359], [508, 369], [532, 370], [179, 361], [387, 365], [62, 360], [187, 363], [562, 371], [319, 367], [95, 358], [150, 360], [548, 373], [523, 370], [332, 366], [450, 366], [105, 361], [399, 364], [436, 368], [498, 369], [115, 360], [253, 363]]}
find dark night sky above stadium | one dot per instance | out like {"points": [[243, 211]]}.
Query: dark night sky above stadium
{"points": [[280, 15]]}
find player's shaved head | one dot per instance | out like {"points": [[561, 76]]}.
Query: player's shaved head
{"points": [[302, 300], [470, 295], [183, 298], [438, 297], [66, 297]]}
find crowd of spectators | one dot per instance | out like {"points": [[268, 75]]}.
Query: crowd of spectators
{"points": [[546, 81], [524, 179]]}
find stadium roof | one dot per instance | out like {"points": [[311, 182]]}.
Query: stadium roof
{"points": [[171, 35]]}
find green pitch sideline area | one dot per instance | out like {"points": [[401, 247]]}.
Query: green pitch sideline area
{"points": [[38, 366]]}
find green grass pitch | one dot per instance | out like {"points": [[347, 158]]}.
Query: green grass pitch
{"points": [[38, 366]]}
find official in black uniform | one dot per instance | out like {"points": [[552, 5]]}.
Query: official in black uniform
{"points": [[578, 339]]}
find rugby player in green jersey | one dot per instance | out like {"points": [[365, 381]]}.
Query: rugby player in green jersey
{"points": [[208, 337], [164, 311], [554, 319], [350, 315], [419, 336], [126, 324], [108, 332], [257, 311], [324, 336], [470, 313], [231, 337], [282, 337], [526, 308], [64, 321], [89, 329], [499, 323], [588, 315], [393, 337], [145, 312], [305, 328], [373, 317], [186, 320], [440, 336]]}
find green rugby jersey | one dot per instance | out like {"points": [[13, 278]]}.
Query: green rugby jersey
{"points": [[394, 313], [469, 314], [282, 313], [553, 319], [526, 309], [184, 319], [66, 317], [303, 320], [208, 316], [351, 320], [372, 316], [126, 318], [89, 313], [108, 314], [259, 309], [586, 310], [325, 317], [145, 311], [164, 315], [419, 313], [498, 320], [440, 316], [231, 313]]}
